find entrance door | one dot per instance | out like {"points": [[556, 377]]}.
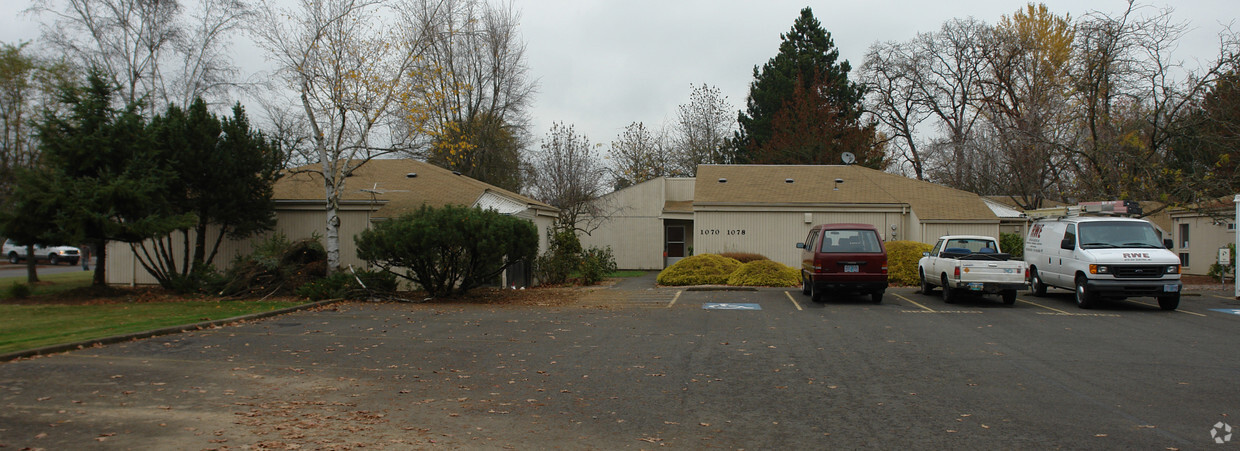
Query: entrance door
{"points": [[675, 248]]}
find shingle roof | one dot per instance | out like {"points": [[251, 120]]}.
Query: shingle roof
{"points": [[815, 185], [433, 186]]}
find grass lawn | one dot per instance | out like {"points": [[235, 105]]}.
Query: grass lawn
{"points": [[33, 324], [27, 326], [49, 283]]}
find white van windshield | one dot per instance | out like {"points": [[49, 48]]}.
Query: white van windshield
{"points": [[1097, 235]]}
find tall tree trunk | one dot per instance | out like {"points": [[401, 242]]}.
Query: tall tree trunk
{"points": [[32, 274], [101, 262]]}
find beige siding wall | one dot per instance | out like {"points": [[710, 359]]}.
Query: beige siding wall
{"points": [[775, 234], [124, 269], [679, 189], [1204, 240], [634, 230]]}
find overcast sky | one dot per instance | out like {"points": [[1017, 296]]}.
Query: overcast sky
{"points": [[603, 64]]}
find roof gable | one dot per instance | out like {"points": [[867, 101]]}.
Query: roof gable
{"points": [[816, 185], [393, 180]]}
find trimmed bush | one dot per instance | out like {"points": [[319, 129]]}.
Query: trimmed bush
{"points": [[1012, 244], [902, 257], [744, 257], [596, 264], [764, 273], [704, 269]]}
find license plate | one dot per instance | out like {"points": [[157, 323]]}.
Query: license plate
{"points": [[850, 268], [976, 286], [1171, 288]]}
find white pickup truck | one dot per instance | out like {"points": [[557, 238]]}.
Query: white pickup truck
{"points": [[970, 263]]}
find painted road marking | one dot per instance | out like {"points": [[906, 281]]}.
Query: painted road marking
{"points": [[794, 301], [1152, 305], [1058, 312], [1045, 307], [924, 308], [730, 306], [1229, 311], [674, 298]]}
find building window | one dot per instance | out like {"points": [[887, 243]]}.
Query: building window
{"points": [[1184, 237], [1184, 259], [675, 241]]}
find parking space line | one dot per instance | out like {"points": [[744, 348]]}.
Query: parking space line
{"points": [[674, 298], [1176, 310], [794, 301], [1045, 307], [928, 309]]}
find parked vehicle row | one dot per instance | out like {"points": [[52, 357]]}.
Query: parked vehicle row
{"points": [[1097, 258], [51, 254]]}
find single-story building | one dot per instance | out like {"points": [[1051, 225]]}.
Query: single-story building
{"points": [[767, 209], [1199, 232], [380, 189]]}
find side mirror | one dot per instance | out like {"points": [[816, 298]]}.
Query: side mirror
{"points": [[800, 245], [1167, 243], [925, 254], [1067, 244]]}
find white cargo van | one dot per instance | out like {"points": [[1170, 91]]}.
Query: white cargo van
{"points": [[1102, 258]]}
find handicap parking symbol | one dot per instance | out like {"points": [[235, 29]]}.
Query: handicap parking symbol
{"points": [[730, 306]]}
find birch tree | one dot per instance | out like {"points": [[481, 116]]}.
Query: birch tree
{"points": [[355, 79], [159, 52]]}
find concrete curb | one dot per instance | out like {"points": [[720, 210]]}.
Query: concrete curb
{"points": [[66, 347]]}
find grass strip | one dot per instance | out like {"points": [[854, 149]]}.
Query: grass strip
{"points": [[34, 326]]}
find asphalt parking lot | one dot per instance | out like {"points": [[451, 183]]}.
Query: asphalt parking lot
{"points": [[640, 368]]}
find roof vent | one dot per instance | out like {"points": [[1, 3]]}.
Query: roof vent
{"points": [[787, 180], [411, 175], [723, 180]]}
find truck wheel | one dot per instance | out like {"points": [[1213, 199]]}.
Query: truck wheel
{"points": [[926, 287], [949, 295], [13, 258], [52, 259], [877, 296], [1169, 302], [1084, 298], [804, 285], [1035, 283], [1009, 297]]}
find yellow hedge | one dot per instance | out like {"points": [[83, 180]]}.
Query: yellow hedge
{"points": [[702, 269], [764, 273], [902, 259]]}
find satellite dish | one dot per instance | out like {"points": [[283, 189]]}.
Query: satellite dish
{"points": [[848, 158]]}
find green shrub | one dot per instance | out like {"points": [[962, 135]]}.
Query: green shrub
{"points": [[596, 264], [18, 291], [764, 273], [744, 257], [563, 256], [902, 257], [343, 285], [703, 269], [1217, 270], [1013, 244], [448, 250], [277, 265]]}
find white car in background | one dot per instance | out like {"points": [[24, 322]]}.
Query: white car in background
{"points": [[53, 254]]}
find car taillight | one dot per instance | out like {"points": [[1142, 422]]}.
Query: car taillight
{"points": [[1026, 273], [884, 266], [957, 272]]}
